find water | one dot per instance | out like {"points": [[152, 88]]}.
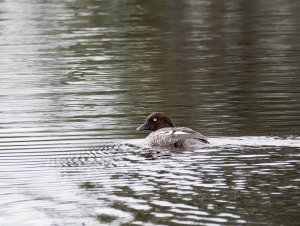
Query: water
{"points": [[77, 78]]}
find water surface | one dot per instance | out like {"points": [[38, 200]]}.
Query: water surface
{"points": [[77, 78]]}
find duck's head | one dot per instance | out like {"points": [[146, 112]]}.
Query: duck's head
{"points": [[156, 121]]}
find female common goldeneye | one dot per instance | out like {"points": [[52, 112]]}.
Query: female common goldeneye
{"points": [[164, 133]]}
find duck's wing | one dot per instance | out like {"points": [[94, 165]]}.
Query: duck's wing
{"points": [[183, 133]]}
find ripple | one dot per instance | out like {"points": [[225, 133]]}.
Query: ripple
{"points": [[119, 177], [78, 77]]}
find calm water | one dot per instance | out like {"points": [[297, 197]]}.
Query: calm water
{"points": [[77, 78]]}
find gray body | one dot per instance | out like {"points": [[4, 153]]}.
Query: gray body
{"points": [[176, 137]]}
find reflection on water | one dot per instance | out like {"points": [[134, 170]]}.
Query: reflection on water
{"points": [[115, 184], [77, 78]]}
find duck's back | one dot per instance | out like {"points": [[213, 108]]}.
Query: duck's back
{"points": [[176, 137]]}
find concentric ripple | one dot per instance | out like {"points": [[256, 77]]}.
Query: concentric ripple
{"points": [[116, 184]]}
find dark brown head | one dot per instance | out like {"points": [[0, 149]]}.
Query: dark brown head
{"points": [[156, 121]]}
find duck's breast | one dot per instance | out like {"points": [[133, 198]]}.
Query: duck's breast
{"points": [[163, 138]]}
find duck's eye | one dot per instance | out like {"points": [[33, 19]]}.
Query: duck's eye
{"points": [[155, 119]]}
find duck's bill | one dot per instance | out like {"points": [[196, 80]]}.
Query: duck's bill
{"points": [[145, 126]]}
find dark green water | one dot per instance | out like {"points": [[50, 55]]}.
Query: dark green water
{"points": [[77, 78]]}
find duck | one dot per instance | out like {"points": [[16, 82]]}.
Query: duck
{"points": [[164, 134]]}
